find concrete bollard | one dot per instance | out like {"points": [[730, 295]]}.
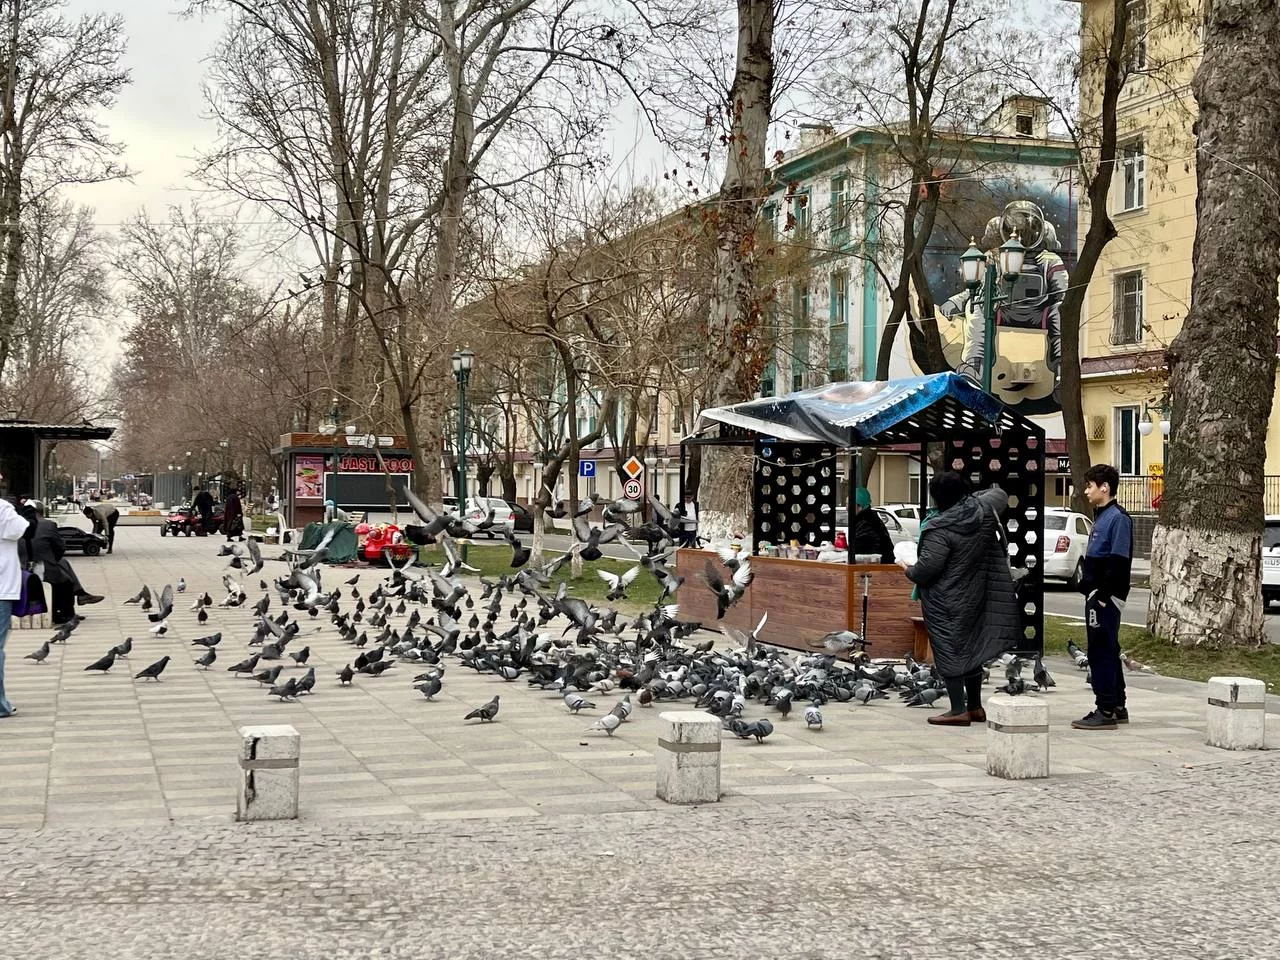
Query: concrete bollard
{"points": [[1237, 713], [269, 773], [689, 757], [1017, 737]]}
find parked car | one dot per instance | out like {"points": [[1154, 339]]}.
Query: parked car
{"points": [[1066, 536], [74, 538], [896, 532], [908, 515], [1271, 560], [523, 518], [478, 509]]}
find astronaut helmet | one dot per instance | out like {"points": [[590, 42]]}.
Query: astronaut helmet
{"points": [[1024, 220]]}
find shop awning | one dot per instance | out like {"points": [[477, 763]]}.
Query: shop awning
{"points": [[873, 413]]}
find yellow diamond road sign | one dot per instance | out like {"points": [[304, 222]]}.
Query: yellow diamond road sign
{"points": [[633, 468]]}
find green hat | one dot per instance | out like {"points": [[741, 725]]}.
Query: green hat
{"points": [[862, 497]]}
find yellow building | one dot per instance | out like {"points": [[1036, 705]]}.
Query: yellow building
{"points": [[1141, 290]]}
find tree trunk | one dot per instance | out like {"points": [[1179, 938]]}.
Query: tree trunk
{"points": [[735, 314], [1206, 554]]}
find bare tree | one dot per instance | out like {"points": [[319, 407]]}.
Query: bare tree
{"points": [[57, 76], [1206, 552]]}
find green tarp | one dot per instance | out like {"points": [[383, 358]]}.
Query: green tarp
{"points": [[342, 549]]}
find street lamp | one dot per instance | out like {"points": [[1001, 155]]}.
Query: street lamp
{"points": [[1008, 261], [1147, 425], [462, 361]]}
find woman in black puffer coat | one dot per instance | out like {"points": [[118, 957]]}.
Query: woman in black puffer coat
{"points": [[966, 591]]}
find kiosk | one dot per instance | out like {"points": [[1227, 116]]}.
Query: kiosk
{"points": [[795, 440], [344, 468]]}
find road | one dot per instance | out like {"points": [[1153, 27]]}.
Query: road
{"points": [[1060, 600]]}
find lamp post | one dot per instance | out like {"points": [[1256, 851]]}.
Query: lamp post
{"points": [[1008, 261], [462, 361]]}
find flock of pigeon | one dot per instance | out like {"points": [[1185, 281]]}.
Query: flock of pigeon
{"points": [[422, 620]]}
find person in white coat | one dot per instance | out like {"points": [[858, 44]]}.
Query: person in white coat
{"points": [[14, 526]]}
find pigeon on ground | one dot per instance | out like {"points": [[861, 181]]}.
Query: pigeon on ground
{"points": [[430, 687], [207, 660], [608, 723], [345, 675], [1134, 665], [745, 729], [123, 649], [1041, 675], [105, 663], [576, 701], [182, 584], [1014, 687], [301, 656], [308, 682], [622, 709], [39, 654], [486, 712], [1079, 656], [153, 671], [285, 691], [210, 641], [813, 715], [268, 676], [245, 666], [925, 698]]}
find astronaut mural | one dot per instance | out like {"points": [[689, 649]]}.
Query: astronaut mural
{"points": [[1028, 335]]}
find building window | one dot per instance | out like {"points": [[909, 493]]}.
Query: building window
{"points": [[1128, 295], [1128, 451], [802, 314], [838, 334], [1137, 34], [1133, 172], [769, 214], [801, 212], [653, 417], [839, 204], [1023, 124]]}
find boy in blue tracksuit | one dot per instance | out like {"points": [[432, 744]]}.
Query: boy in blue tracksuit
{"points": [[1107, 563]]}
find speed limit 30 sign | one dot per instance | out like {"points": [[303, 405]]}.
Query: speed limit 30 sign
{"points": [[632, 489]]}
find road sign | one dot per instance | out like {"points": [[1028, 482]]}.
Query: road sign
{"points": [[586, 468], [632, 489], [633, 468]]}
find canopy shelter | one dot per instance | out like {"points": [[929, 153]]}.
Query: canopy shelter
{"points": [[25, 450], [796, 439]]}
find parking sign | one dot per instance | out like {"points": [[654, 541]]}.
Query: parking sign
{"points": [[586, 468]]}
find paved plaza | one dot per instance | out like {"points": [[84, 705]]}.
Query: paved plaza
{"points": [[422, 835]]}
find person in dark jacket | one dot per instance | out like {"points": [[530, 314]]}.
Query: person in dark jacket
{"points": [[233, 516], [966, 591], [1108, 560], [870, 535], [47, 550], [104, 517], [203, 505]]}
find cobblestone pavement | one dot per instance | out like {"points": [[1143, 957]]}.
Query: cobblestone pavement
{"points": [[1171, 864]]}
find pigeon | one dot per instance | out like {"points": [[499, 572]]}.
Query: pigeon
{"points": [[307, 683], [353, 581], [104, 664], [608, 723], [486, 712], [301, 656], [123, 649], [618, 583], [245, 666], [345, 675], [207, 660], [430, 687], [755, 728], [925, 698], [727, 595], [152, 672], [1134, 665], [182, 584], [1014, 687], [622, 709], [39, 654], [210, 641], [1042, 677], [813, 715], [285, 691], [142, 596], [268, 676], [1079, 656], [576, 701]]}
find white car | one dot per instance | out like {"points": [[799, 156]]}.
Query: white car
{"points": [[896, 533], [1066, 537], [908, 515], [1271, 560], [504, 518]]}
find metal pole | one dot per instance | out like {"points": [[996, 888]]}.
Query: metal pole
{"points": [[989, 325], [855, 478], [462, 441]]}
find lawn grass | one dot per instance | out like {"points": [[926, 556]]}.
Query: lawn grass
{"points": [[1188, 663], [494, 561]]}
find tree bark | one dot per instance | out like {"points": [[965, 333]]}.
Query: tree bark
{"points": [[735, 315], [1206, 553]]}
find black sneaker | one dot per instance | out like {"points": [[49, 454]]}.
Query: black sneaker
{"points": [[1122, 714], [1097, 720], [84, 598]]}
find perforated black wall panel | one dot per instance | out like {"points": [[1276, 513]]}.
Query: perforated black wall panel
{"points": [[793, 493], [1015, 461]]}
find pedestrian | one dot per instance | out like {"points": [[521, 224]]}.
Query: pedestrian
{"points": [[870, 535], [46, 555], [203, 505], [1108, 562], [966, 591], [15, 524], [104, 517], [688, 512], [233, 515]]}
